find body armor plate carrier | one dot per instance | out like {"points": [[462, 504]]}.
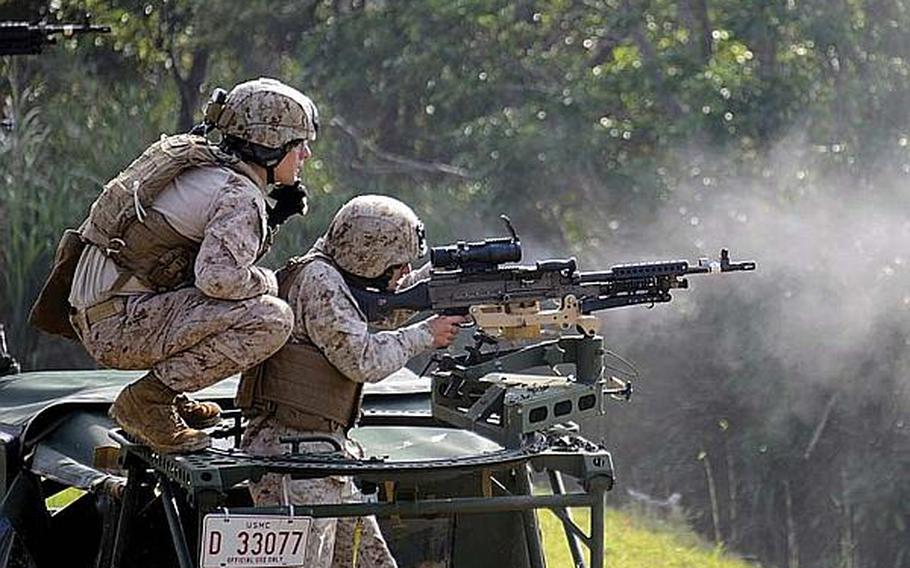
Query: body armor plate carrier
{"points": [[298, 384], [139, 240]]}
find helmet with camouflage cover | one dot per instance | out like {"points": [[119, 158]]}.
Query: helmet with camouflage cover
{"points": [[372, 233], [263, 119]]}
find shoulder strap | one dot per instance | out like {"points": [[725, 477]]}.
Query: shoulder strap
{"points": [[287, 273], [126, 197]]}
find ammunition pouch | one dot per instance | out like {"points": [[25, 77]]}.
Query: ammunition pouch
{"points": [[156, 254], [51, 310]]}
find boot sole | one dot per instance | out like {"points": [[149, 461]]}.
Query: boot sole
{"points": [[177, 449]]}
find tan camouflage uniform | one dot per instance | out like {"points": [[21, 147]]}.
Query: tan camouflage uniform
{"points": [[195, 336], [330, 542], [327, 315]]}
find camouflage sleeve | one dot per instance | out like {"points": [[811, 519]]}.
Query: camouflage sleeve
{"points": [[328, 315], [233, 237]]}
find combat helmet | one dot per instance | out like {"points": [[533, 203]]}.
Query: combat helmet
{"points": [[372, 233], [261, 120]]}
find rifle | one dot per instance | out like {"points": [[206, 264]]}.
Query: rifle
{"points": [[481, 279], [23, 38]]}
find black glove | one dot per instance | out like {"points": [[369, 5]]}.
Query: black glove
{"points": [[290, 200]]}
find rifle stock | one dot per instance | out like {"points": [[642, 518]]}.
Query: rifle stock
{"points": [[376, 305]]}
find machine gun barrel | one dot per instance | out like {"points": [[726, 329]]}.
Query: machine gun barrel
{"points": [[672, 268], [511, 287], [23, 38], [639, 270]]}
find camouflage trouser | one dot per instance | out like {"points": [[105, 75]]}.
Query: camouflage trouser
{"points": [[188, 339], [331, 541]]}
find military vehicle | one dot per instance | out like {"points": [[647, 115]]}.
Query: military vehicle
{"points": [[444, 494], [449, 465]]}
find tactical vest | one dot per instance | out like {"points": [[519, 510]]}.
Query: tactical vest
{"points": [[298, 385], [141, 242]]}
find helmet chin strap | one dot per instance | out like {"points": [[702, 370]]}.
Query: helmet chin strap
{"points": [[262, 156], [380, 282]]}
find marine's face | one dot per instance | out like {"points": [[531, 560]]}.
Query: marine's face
{"points": [[288, 169]]}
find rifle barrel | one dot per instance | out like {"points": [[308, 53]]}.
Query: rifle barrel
{"points": [[641, 270], [23, 38]]}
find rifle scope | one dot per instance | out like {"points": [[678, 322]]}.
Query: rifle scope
{"points": [[478, 255]]}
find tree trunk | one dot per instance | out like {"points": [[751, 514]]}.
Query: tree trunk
{"points": [[792, 546], [712, 494], [732, 492], [652, 65], [767, 49], [695, 13], [847, 542], [188, 88]]}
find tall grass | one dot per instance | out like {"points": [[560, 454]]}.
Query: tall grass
{"points": [[634, 540], [35, 205]]}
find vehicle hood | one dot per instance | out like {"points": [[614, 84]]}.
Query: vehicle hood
{"points": [[27, 396]]}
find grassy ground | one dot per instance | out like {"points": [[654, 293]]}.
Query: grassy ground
{"points": [[634, 541], [63, 498]]}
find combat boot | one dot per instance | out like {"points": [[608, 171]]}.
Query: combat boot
{"points": [[197, 414], [145, 409]]}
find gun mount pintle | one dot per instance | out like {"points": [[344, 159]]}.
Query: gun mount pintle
{"points": [[498, 395]]}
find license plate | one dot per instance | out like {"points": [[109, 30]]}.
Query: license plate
{"points": [[253, 540]]}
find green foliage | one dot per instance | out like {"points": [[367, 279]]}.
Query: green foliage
{"points": [[35, 202]]}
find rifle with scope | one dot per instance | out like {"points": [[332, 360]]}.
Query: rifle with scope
{"points": [[482, 280], [23, 38]]}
